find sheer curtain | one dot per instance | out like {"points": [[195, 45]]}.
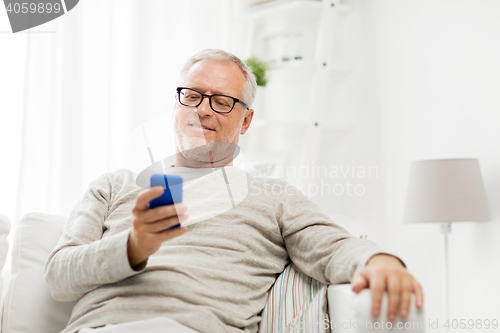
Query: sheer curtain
{"points": [[86, 83]]}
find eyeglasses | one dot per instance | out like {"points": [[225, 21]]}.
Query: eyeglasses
{"points": [[218, 103]]}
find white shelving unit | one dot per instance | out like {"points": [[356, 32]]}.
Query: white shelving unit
{"points": [[297, 37]]}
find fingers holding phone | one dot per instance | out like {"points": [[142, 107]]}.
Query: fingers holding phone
{"points": [[176, 212], [157, 213], [159, 219]]}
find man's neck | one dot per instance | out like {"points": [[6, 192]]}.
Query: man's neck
{"points": [[181, 161], [215, 155]]}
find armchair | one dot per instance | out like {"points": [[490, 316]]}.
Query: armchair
{"points": [[28, 306]]}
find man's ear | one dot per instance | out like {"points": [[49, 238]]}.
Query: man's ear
{"points": [[176, 101], [246, 121]]}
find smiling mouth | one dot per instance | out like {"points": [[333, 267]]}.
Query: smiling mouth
{"points": [[200, 126]]}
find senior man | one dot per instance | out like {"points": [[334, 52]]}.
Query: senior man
{"points": [[127, 272]]}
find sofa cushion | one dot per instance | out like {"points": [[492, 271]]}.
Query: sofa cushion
{"points": [[296, 303], [28, 306]]}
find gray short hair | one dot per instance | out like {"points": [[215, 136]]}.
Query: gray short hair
{"points": [[250, 87]]}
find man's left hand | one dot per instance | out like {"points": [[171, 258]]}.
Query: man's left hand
{"points": [[386, 273]]}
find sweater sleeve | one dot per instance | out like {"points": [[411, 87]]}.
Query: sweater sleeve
{"points": [[317, 246], [83, 260]]}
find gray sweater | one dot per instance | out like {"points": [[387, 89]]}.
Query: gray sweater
{"points": [[215, 278]]}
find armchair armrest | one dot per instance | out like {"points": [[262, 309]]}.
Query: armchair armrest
{"points": [[351, 313]]}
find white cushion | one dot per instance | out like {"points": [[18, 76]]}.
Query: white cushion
{"points": [[295, 301], [28, 306]]}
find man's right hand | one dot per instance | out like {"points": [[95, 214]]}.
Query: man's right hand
{"points": [[149, 226]]}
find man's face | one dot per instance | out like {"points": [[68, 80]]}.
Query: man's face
{"points": [[210, 77]]}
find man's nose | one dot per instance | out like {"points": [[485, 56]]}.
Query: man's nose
{"points": [[204, 108]]}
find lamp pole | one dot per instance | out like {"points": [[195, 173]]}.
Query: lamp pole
{"points": [[446, 230]]}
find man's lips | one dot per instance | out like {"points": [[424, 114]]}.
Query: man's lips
{"points": [[201, 127]]}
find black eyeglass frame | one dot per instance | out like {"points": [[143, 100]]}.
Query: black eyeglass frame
{"points": [[235, 100]]}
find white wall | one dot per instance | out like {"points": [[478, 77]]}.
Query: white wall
{"points": [[438, 81]]}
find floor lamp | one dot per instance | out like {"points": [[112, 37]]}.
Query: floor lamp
{"points": [[445, 191]]}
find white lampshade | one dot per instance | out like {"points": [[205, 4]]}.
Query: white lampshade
{"points": [[447, 190]]}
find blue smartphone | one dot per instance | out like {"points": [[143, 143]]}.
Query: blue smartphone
{"points": [[172, 194]]}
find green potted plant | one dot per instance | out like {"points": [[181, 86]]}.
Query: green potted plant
{"points": [[259, 69]]}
